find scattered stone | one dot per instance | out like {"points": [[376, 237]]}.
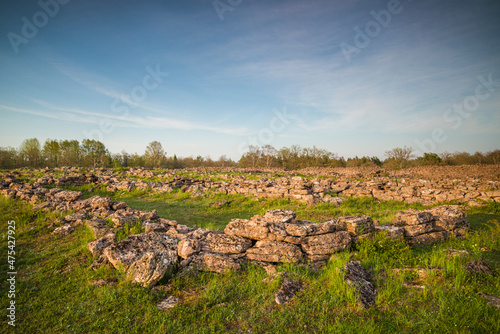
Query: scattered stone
{"points": [[97, 246], [271, 251], [479, 267], [288, 289], [104, 282], [214, 262], [220, 204], [492, 300], [362, 280], [451, 253], [168, 303], [64, 230]]}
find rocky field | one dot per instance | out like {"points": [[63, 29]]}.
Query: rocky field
{"points": [[384, 236]]}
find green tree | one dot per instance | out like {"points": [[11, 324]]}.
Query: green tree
{"points": [[31, 152], [70, 153], [52, 152], [8, 158], [154, 155], [94, 153]]}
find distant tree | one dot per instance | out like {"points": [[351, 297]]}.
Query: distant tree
{"points": [[154, 155], [52, 152], [268, 156], [94, 153], [70, 153], [493, 157], [9, 158], [429, 159], [31, 152], [399, 157], [136, 160]]}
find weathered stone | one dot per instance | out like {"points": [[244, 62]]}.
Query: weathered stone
{"points": [[362, 280], [168, 303], [98, 202], [99, 227], [214, 262], [357, 225], [271, 251], [74, 217], [224, 244], [279, 216], [68, 196], [412, 218], [414, 230], [288, 289], [492, 300], [64, 230], [188, 247], [250, 229], [97, 246], [393, 232], [479, 267], [145, 257], [428, 239], [154, 227], [326, 244]]}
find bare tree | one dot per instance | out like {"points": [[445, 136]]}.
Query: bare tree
{"points": [[400, 157]]}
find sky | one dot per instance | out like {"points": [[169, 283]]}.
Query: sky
{"points": [[210, 78]]}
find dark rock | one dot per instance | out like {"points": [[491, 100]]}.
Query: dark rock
{"points": [[288, 289], [479, 267], [362, 280]]}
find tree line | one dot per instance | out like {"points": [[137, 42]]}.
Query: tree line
{"points": [[93, 153]]}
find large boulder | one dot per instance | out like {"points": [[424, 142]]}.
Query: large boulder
{"points": [[97, 246], [145, 257]]}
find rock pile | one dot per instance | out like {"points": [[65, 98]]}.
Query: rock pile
{"points": [[432, 225]]}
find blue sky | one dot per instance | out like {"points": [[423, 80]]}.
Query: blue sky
{"points": [[210, 81]]}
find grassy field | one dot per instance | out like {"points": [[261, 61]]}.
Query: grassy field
{"points": [[54, 292]]}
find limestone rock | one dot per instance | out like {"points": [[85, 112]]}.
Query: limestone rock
{"points": [[64, 230], [68, 196], [279, 216], [358, 225], [428, 239], [225, 244], [250, 229], [96, 247], [288, 289], [145, 257], [412, 218], [99, 227], [168, 303], [362, 280], [479, 267], [271, 251], [214, 262], [326, 244]]}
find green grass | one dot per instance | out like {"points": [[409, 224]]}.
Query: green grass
{"points": [[54, 293]]}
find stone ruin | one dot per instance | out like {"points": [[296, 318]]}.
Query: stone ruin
{"points": [[276, 237]]}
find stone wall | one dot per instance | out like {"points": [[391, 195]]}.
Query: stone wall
{"points": [[276, 237]]}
